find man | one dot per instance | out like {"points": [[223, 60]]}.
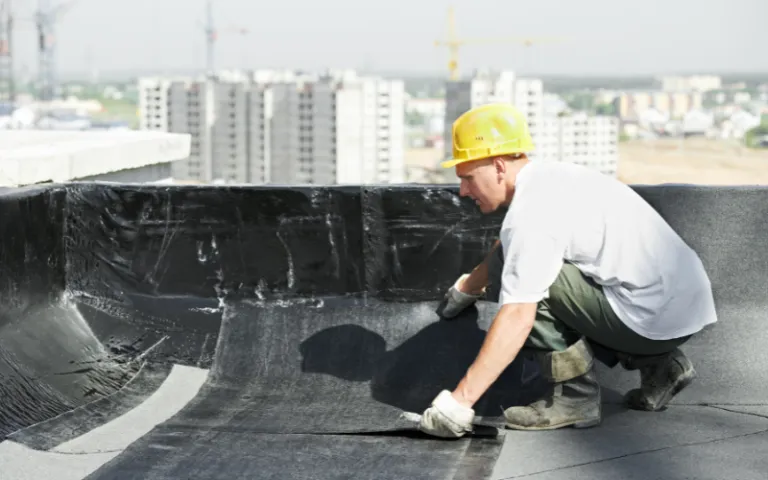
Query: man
{"points": [[582, 263]]}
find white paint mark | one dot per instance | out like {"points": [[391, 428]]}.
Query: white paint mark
{"points": [[146, 352], [205, 309], [334, 250], [290, 273], [220, 292], [201, 256], [259, 290]]}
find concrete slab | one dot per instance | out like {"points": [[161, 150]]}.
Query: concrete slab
{"points": [[20, 462], [35, 156]]}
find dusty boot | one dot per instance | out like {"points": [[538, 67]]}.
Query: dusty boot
{"points": [[575, 400], [661, 378]]}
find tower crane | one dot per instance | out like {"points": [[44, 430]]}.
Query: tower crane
{"points": [[212, 35], [7, 86], [453, 42], [45, 19]]}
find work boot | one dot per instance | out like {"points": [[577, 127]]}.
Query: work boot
{"points": [[661, 378], [575, 397]]}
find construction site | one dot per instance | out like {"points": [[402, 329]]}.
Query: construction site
{"points": [[241, 320]]}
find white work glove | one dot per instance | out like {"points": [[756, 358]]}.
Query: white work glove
{"points": [[446, 417], [455, 301]]}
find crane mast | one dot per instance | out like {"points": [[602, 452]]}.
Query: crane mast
{"points": [[7, 85]]}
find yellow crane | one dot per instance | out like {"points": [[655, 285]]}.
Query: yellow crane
{"points": [[453, 43]]}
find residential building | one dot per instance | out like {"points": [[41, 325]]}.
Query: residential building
{"points": [[631, 106], [696, 83], [283, 127], [583, 139]]}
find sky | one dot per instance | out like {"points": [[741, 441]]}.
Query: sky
{"points": [[584, 37]]}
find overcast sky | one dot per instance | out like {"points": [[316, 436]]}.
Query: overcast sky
{"points": [[615, 37]]}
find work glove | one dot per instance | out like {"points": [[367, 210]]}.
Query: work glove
{"points": [[455, 300], [446, 417]]}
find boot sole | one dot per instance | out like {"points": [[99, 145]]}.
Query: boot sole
{"points": [[577, 424], [585, 423]]}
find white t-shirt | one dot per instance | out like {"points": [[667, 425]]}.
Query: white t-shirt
{"points": [[654, 281]]}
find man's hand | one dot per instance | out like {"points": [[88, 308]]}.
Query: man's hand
{"points": [[456, 299], [446, 417], [467, 289]]}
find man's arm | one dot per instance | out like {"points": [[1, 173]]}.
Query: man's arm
{"points": [[478, 278], [505, 338]]}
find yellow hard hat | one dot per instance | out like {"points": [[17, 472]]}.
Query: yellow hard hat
{"points": [[488, 131]]}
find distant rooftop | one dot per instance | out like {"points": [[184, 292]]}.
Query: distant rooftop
{"points": [[36, 156]]}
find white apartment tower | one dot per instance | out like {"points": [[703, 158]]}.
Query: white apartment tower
{"points": [[337, 128], [303, 147], [370, 129], [582, 139], [282, 127], [590, 141], [154, 103], [240, 134]]}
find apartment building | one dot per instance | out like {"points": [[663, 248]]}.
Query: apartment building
{"points": [[590, 141], [153, 103], [179, 105], [283, 127], [582, 139], [697, 83], [631, 106]]}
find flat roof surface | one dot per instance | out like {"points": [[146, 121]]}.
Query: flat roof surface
{"points": [[166, 332], [34, 156]]}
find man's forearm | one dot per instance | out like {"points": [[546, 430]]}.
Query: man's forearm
{"points": [[478, 278], [505, 338]]}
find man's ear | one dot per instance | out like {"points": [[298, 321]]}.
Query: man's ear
{"points": [[501, 165]]}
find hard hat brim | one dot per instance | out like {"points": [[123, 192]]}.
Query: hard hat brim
{"points": [[455, 161]]}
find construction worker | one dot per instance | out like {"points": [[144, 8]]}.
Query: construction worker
{"points": [[583, 264]]}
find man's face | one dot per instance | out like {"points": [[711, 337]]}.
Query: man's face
{"points": [[482, 181]]}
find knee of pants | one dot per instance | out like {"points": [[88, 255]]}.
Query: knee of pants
{"points": [[495, 268]]}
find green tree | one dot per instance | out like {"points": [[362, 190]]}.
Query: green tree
{"points": [[605, 109], [580, 101], [754, 135]]}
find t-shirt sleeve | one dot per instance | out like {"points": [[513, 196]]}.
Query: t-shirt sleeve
{"points": [[533, 257]]}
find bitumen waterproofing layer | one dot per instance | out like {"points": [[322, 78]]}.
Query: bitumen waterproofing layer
{"points": [[163, 332]]}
